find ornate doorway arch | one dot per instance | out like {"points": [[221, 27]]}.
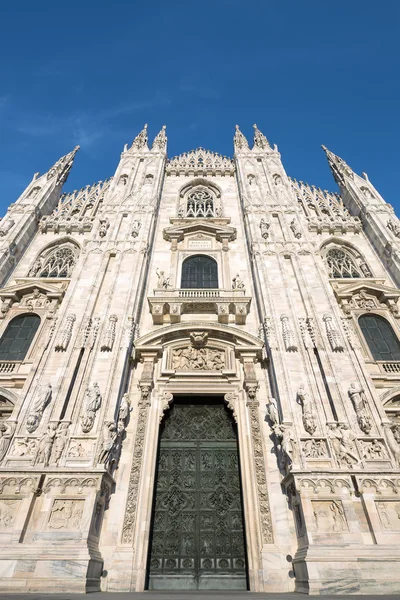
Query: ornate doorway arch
{"points": [[219, 361]]}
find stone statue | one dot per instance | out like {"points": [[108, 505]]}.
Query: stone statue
{"points": [[109, 441], [394, 227], [92, 404], [162, 281], [136, 225], [45, 445], [60, 441], [357, 397], [237, 283], [272, 411], [36, 268], [124, 408], [265, 224], [342, 439], [104, 225], [287, 446], [392, 442], [7, 429], [305, 400], [296, 229], [42, 400]]}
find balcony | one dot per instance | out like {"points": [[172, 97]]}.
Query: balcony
{"points": [[168, 306]]}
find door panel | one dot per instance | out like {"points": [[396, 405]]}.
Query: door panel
{"points": [[197, 533]]}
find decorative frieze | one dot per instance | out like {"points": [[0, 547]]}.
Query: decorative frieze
{"points": [[66, 514], [194, 359], [329, 516]]}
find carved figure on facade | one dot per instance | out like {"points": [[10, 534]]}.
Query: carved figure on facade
{"points": [[92, 403], [60, 441], [7, 429], [288, 335], [265, 224], [104, 226], [8, 513], [66, 514], [394, 227], [308, 409], [45, 445], [288, 454], [294, 226], [343, 444], [239, 140], [198, 338], [36, 268], [107, 449], [393, 440], [314, 448], [136, 225], [162, 281], [373, 450], [80, 449], [193, 359], [24, 447], [357, 397], [272, 411], [66, 333], [329, 516], [237, 283], [333, 334], [109, 334], [43, 398], [124, 408]]}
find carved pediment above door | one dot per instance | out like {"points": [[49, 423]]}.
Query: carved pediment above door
{"points": [[217, 229], [32, 295], [362, 295]]}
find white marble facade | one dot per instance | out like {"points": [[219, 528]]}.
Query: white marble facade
{"points": [[318, 418]]}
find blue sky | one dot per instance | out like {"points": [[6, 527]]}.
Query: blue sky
{"points": [[308, 72]]}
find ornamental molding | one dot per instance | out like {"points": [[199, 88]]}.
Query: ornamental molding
{"points": [[18, 484], [200, 162], [78, 483], [322, 486], [382, 485], [217, 228], [366, 295]]}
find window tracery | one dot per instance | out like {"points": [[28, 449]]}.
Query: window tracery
{"points": [[56, 262], [341, 264], [200, 203]]}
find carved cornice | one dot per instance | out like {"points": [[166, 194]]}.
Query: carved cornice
{"points": [[217, 228], [200, 162]]}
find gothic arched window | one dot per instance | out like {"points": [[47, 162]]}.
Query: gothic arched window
{"points": [[380, 337], [18, 336], [199, 272], [200, 203], [56, 262], [341, 264]]}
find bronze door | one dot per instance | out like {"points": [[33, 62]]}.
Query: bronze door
{"points": [[197, 537]]}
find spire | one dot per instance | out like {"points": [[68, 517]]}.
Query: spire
{"points": [[260, 141], [140, 140], [239, 140], [160, 141], [340, 169], [62, 167]]}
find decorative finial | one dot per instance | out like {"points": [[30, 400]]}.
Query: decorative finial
{"points": [[160, 141], [141, 139], [340, 169], [260, 141], [239, 140], [62, 167]]}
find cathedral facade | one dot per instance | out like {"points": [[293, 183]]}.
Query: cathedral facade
{"points": [[200, 378]]}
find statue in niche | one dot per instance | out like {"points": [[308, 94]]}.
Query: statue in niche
{"points": [[136, 225], [365, 270], [393, 442], [367, 193], [123, 180], [237, 283], [124, 408], [104, 225], [162, 281], [278, 180], [265, 224], [357, 397], [92, 404], [46, 445]]}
